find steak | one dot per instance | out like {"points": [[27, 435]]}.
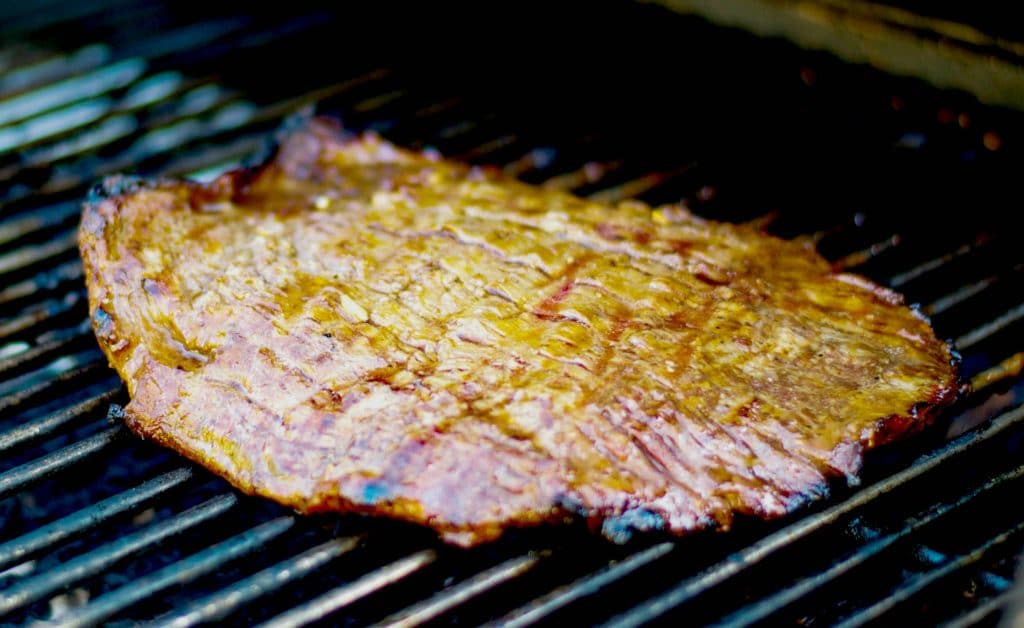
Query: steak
{"points": [[356, 327]]}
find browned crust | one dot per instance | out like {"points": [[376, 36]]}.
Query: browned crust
{"points": [[117, 191]]}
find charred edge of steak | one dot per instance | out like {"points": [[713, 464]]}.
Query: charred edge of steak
{"points": [[619, 528], [117, 185], [303, 123], [960, 387], [921, 414], [400, 509]]}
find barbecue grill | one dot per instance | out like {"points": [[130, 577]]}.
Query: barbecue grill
{"points": [[907, 184]]}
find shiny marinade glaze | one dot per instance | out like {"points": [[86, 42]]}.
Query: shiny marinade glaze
{"points": [[352, 326]]}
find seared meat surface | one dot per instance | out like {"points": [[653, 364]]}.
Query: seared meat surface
{"points": [[355, 327]]}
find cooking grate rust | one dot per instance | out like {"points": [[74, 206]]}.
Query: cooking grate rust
{"points": [[98, 527]]}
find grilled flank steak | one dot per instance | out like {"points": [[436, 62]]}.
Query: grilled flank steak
{"points": [[356, 327]]}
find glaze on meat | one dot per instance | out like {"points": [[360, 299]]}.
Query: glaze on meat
{"points": [[356, 327]]}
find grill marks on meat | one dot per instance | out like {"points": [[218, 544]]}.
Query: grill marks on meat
{"points": [[357, 327]]}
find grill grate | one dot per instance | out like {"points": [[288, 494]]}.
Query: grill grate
{"points": [[96, 526]]}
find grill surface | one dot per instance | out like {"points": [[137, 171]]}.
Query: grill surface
{"points": [[96, 526]]}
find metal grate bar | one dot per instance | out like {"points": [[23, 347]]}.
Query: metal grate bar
{"points": [[156, 141], [463, 127], [54, 462], [640, 185], [35, 588], [285, 107], [48, 280], [340, 88], [59, 122], [486, 148], [774, 603], [427, 107], [587, 174], [38, 220], [87, 85], [443, 106], [1009, 368], [121, 125], [179, 572], [205, 98], [862, 256], [33, 254], [44, 140], [264, 114], [231, 153], [151, 96], [41, 141], [346, 594], [584, 587], [531, 161], [83, 364], [462, 592], [50, 423], [49, 535], [406, 129], [17, 389], [230, 599], [990, 328], [958, 296], [40, 313], [575, 171], [57, 344], [98, 134], [739, 561], [228, 116], [901, 279], [379, 101], [54, 68], [226, 113], [856, 221], [538, 159], [913, 586]]}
